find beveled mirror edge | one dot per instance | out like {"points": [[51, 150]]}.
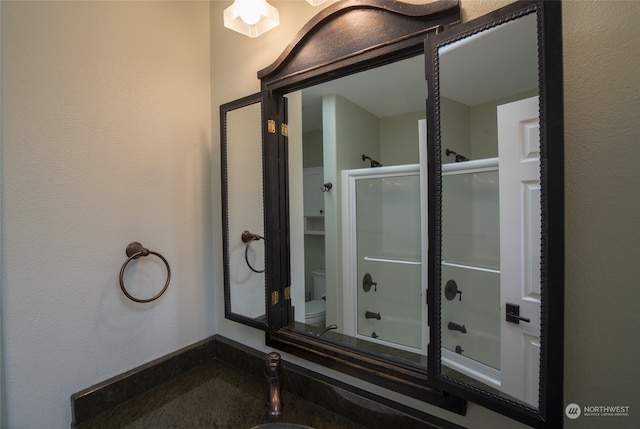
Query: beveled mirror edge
{"points": [[224, 109], [550, 410]]}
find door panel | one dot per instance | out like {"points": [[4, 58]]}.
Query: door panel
{"points": [[519, 158]]}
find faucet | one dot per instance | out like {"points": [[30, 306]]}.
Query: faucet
{"points": [[325, 330], [372, 315], [273, 374], [455, 327]]}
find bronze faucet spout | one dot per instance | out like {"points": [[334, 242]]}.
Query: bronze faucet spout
{"points": [[328, 328], [273, 373]]}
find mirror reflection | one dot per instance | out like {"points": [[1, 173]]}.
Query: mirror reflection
{"points": [[242, 158], [356, 218], [490, 209]]}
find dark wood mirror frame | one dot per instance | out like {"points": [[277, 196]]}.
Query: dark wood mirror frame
{"points": [[249, 100], [319, 53]]}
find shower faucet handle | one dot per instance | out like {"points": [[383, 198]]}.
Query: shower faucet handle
{"points": [[367, 282], [451, 290]]}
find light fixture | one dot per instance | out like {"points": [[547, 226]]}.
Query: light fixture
{"points": [[315, 2], [251, 17]]}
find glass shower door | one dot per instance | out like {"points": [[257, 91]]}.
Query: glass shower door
{"points": [[470, 298], [388, 280]]}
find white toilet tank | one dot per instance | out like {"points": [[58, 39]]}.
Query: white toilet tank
{"points": [[315, 310]]}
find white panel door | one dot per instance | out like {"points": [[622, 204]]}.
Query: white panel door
{"points": [[519, 160]]}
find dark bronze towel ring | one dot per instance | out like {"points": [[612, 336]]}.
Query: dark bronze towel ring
{"points": [[247, 239], [134, 251]]}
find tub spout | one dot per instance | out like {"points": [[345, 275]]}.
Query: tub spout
{"points": [[455, 327], [372, 315]]}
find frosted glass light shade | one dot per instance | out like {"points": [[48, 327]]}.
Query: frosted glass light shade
{"points": [[251, 17]]}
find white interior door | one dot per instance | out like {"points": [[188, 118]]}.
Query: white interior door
{"points": [[519, 158]]}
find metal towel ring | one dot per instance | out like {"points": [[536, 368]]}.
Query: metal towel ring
{"points": [[248, 238], [134, 251]]}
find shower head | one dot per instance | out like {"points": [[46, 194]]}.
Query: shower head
{"points": [[459, 158], [374, 163]]}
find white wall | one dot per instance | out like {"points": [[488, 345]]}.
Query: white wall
{"points": [[106, 139], [343, 146], [399, 139]]}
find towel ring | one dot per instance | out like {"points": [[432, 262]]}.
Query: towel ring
{"points": [[134, 251], [247, 239]]}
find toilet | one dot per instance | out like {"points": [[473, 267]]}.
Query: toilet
{"points": [[315, 310]]}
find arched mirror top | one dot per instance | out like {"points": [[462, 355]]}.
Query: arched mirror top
{"points": [[372, 28]]}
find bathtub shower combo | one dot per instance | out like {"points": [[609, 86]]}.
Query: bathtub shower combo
{"points": [[382, 221], [383, 255], [384, 249], [470, 270]]}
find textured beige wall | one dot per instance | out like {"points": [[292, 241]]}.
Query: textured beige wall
{"points": [[602, 200], [106, 134]]}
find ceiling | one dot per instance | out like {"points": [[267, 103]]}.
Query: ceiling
{"points": [[390, 90], [490, 65]]}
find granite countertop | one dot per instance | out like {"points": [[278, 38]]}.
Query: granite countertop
{"points": [[212, 395]]}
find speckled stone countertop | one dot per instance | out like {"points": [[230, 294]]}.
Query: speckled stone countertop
{"points": [[213, 395], [219, 383]]}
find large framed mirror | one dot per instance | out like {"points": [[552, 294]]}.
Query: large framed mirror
{"points": [[496, 239], [359, 206], [241, 154], [354, 116]]}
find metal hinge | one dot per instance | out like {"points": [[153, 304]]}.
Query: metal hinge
{"points": [[275, 297], [284, 130], [271, 126], [287, 292]]}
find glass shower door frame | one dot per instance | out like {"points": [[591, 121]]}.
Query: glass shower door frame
{"points": [[350, 278]]}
